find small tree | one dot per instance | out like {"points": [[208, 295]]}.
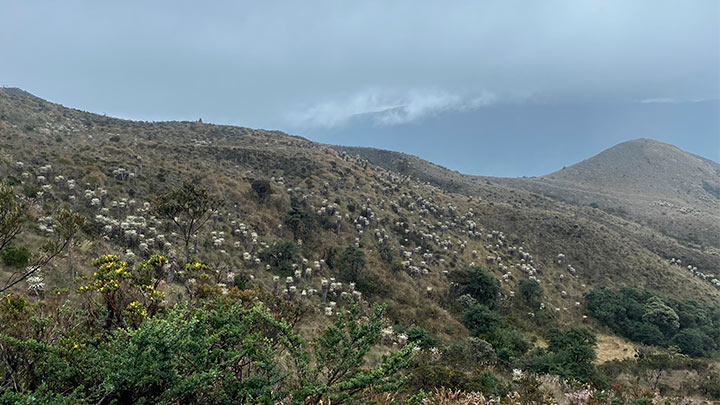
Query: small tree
{"points": [[484, 287], [300, 219], [188, 208], [351, 263], [570, 354], [656, 312], [531, 292]]}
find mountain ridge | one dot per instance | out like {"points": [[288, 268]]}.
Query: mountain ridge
{"points": [[228, 158]]}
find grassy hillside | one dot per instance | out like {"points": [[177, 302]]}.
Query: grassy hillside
{"points": [[417, 227]]}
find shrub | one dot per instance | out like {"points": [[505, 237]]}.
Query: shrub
{"points": [[351, 267], [421, 336], [434, 376], [480, 284], [351, 264], [386, 252], [692, 342], [262, 189], [570, 354], [486, 382], [16, 256], [656, 312], [479, 319], [509, 344], [281, 256], [300, 220], [531, 292]]}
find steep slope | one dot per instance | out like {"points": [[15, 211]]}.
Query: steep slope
{"points": [[429, 232], [670, 196]]}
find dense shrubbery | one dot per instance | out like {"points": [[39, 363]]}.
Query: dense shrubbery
{"points": [[281, 256], [645, 317], [429, 377], [570, 354], [480, 305], [351, 267], [237, 347]]}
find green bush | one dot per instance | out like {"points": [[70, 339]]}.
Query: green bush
{"points": [[421, 336], [487, 383], [301, 220], [351, 264], [281, 256], [480, 284], [220, 350], [509, 344], [16, 256], [570, 354], [692, 342], [480, 319], [531, 292]]}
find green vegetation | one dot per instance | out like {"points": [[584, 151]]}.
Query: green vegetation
{"points": [[14, 256], [531, 293], [126, 346], [188, 208], [401, 242], [281, 256], [480, 319], [420, 336], [570, 354], [12, 214], [301, 220], [651, 319], [479, 284]]}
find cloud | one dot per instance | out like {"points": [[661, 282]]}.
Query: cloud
{"points": [[388, 107], [669, 100]]}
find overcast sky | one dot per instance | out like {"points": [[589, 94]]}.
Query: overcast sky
{"points": [[317, 69]]}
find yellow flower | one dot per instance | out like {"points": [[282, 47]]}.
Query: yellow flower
{"points": [[75, 346]]}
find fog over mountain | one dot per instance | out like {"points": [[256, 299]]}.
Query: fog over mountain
{"points": [[440, 78], [533, 139]]}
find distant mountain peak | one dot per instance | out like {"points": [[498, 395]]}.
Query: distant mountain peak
{"points": [[645, 166]]}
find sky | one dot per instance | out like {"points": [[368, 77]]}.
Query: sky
{"points": [[504, 88]]}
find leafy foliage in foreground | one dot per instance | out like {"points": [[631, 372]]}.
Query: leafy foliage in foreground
{"points": [[239, 347]]}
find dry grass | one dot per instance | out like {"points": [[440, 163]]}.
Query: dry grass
{"points": [[611, 347]]}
